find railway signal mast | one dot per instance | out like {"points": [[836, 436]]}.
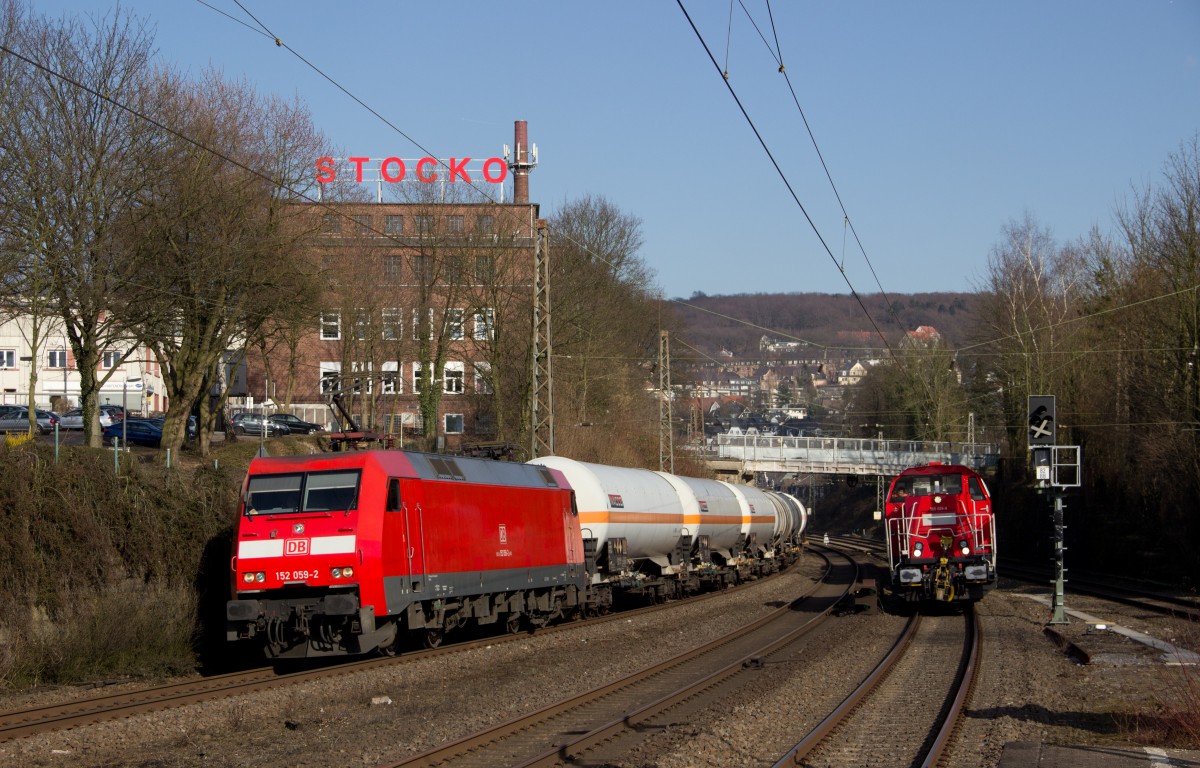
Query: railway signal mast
{"points": [[1057, 467]]}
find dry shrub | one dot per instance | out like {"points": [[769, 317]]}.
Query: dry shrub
{"points": [[1177, 721]]}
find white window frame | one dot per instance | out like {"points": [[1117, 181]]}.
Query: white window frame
{"points": [[8, 359], [416, 378], [331, 319], [456, 324], [481, 384], [453, 378], [416, 334], [462, 426], [51, 362], [392, 323], [484, 325], [361, 373], [330, 370], [391, 382], [362, 324], [110, 359]]}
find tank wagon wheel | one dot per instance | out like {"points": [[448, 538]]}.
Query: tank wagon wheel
{"points": [[433, 638]]}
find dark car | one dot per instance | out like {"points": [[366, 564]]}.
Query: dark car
{"points": [[295, 425], [191, 425], [147, 432], [245, 423]]}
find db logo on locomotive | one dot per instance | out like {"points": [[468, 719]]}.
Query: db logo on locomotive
{"points": [[295, 547]]}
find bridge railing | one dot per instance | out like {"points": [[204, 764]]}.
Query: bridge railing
{"points": [[848, 455]]}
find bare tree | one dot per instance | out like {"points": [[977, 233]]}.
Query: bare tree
{"points": [[216, 246], [80, 154]]}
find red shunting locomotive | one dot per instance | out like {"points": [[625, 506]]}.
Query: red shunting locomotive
{"points": [[941, 534]]}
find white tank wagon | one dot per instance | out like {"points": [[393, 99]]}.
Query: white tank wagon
{"points": [[666, 535]]}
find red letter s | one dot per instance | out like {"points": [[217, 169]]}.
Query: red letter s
{"points": [[325, 170]]}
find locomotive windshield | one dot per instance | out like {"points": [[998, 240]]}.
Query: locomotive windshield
{"points": [[925, 485], [302, 492]]}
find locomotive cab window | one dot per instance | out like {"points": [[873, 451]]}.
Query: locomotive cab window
{"points": [[393, 499], [311, 492], [331, 491], [976, 488], [273, 494]]}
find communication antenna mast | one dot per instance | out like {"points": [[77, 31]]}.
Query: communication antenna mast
{"points": [[542, 405], [666, 435]]}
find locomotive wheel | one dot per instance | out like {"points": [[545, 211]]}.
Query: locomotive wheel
{"points": [[513, 625], [433, 638]]}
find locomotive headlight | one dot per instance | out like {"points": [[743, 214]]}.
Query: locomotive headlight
{"points": [[247, 577], [260, 577], [348, 571], [964, 547], [918, 548], [336, 573]]}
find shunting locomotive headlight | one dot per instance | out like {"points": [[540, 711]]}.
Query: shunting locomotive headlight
{"points": [[918, 548], [964, 547]]}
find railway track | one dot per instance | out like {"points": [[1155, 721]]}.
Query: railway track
{"points": [[30, 721], [603, 724], [905, 712]]}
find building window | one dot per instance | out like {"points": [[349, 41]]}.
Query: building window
{"points": [[423, 269], [417, 388], [393, 225], [454, 423], [364, 223], [362, 378], [390, 382], [110, 359], [483, 378], [56, 358], [455, 272], [331, 326], [483, 224], [452, 379], [485, 270], [331, 377], [419, 323], [454, 225], [393, 323], [362, 324], [484, 320], [454, 324], [8, 359], [331, 223], [423, 223], [393, 267]]}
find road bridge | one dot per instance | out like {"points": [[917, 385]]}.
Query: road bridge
{"points": [[751, 453]]}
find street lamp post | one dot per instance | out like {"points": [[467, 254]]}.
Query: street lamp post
{"points": [[125, 408]]}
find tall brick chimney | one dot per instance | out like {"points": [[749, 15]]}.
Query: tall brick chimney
{"points": [[523, 161]]}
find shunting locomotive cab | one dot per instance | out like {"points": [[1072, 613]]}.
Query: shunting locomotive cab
{"points": [[941, 534]]}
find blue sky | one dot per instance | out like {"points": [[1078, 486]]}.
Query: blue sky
{"points": [[939, 121]]}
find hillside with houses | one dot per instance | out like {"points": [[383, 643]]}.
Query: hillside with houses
{"points": [[790, 364]]}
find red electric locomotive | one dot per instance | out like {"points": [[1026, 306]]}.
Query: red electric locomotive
{"points": [[338, 553], [941, 534]]}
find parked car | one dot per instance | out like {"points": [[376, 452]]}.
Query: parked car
{"points": [[147, 432], [295, 425], [109, 414], [246, 423], [191, 426], [15, 418]]}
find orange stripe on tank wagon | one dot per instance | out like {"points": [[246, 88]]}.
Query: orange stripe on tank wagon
{"points": [[659, 518]]}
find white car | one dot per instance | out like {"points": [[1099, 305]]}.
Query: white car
{"points": [[73, 419]]}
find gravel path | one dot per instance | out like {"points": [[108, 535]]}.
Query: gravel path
{"points": [[1028, 690]]}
